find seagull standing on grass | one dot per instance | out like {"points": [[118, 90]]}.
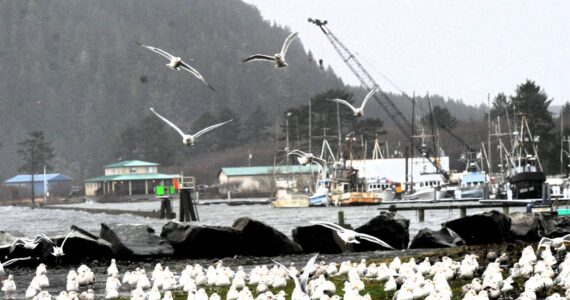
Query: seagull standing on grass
{"points": [[176, 63], [358, 112], [278, 58], [188, 139], [350, 236], [301, 292]]}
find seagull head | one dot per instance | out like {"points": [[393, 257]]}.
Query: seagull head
{"points": [[188, 140]]}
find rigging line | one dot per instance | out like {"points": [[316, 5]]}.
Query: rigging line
{"points": [[378, 72]]}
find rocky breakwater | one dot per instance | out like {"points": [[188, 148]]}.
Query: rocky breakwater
{"points": [[248, 237]]}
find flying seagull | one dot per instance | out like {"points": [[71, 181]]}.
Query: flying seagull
{"points": [[300, 292], [358, 112], [306, 158], [57, 250], [350, 236], [188, 139], [176, 63], [9, 262], [278, 58]]}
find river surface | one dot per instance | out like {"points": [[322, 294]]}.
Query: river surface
{"points": [[23, 221]]}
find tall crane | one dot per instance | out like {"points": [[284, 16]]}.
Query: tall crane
{"points": [[369, 83]]}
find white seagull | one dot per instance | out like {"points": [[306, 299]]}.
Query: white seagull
{"points": [[278, 58], [26, 243], [57, 250], [300, 292], [188, 139], [350, 236], [358, 112], [176, 63], [9, 262], [306, 158]]}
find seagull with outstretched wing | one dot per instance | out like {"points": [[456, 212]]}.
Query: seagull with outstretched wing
{"points": [[9, 262], [358, 111], [300, 292], [176, 63], [188, 139], [278, 58], [350, 236]]}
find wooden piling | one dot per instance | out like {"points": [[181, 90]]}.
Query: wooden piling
{"points": [[463, 212], [421, 215], [341, 218], [505, 210]]}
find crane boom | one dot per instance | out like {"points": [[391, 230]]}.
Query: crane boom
{"points": [[369, 83]]}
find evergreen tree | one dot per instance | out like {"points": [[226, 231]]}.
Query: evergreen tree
{"points": [[257, 126], [501, 105], [36, 152]]}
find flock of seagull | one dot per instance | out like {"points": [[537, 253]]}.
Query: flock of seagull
{"points": [[176, 63], [543, 273]]}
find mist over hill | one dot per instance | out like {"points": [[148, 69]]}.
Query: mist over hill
{"points": [[72, 69]]}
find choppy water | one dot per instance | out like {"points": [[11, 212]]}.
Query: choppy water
{"points": [[27, 222]]}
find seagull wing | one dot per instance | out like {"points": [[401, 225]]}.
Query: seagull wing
{"points": [[344, 102], [305, 276], [157, 50], [193, 71], [66, 237], [297, 152], [261, 57], [43, 237], [368, 96], [9, 262], [168, 122], [373, 239], [199, 133], [295, 279], [287, 42], [329, 225]]}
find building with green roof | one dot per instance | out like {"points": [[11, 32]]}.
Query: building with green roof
{"points": [[129, 177], [261, 179]]}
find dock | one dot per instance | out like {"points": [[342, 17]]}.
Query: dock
{"points": [[447, 204], [140, 213]]}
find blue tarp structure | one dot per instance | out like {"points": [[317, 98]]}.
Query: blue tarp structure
{"points": [[26, 179]]}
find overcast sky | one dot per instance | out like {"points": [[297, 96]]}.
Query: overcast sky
{"points": [[458, 49]]}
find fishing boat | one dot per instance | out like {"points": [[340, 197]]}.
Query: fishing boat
{"points": [[287, 194], [349, 190], [321, 195], [472, 181], [525, 177]]}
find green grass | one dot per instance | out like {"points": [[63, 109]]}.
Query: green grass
{"points": [[376, 288]]}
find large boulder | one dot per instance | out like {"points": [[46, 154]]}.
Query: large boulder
{"points": [[80, 246], [484, 228], [316, 238], [135, 241], [443, 238], [260, 239], [555, 226], [202, 241], [388, 227], [528, 227]]}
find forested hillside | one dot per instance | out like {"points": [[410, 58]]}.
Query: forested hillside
{"points": [[72, 69]]}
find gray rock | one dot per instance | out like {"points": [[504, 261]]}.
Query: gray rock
{"points": [[202, 241], [135, 241], [260, 239], [389, 227], [480, 229], [528, 227], [443, 238], [316, 238]]}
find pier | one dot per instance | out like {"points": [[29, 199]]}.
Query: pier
{"points": [[462, 205]]}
